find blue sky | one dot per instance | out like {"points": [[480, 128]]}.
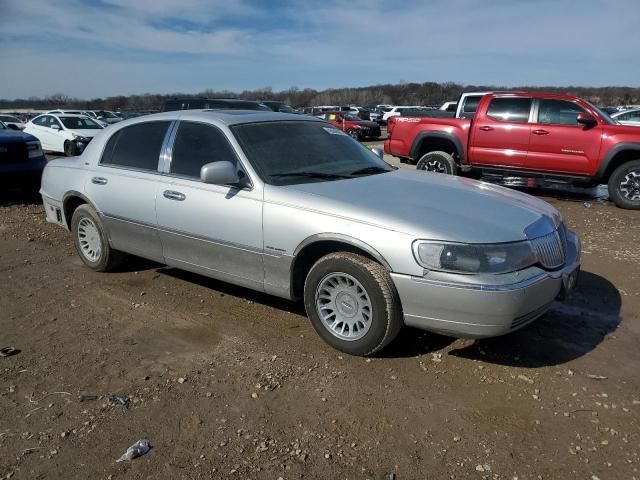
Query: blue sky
{"points": [[98, 48]]}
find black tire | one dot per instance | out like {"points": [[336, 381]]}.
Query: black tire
{"points": [[624, 185], [386, 318], [353, 133], [439, 162], [108, 259], [70, 149]]}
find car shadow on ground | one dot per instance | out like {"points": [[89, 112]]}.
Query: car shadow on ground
{"points": [[567, 331]]}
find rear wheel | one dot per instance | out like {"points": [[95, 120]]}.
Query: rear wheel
{"points": [[70, 149], [352, 303], [624, 185], [91, 241], [439, 162]]}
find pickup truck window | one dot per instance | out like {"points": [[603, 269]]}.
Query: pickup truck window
{"points": [[558, 112], [514, 110], [137, 146], [197, 144]]}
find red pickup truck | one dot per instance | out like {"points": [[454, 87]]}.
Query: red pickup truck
{"points": [[556, 138]]}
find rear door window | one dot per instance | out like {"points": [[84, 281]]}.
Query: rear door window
{"points": [[197, 144], [558, 112], [137, 146], [514, 110]]}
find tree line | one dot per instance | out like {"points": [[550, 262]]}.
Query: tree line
{"points": [[403, 93]]}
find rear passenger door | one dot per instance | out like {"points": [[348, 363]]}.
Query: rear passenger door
{"points": [[559, 143], [124, 185], [500, 137], [215, 230]]}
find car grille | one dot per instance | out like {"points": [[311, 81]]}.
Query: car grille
{"points": [[13, 152], [551, 248]]}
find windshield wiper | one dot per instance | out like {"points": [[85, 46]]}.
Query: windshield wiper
{"points": [[373, 169], [310, 175]]}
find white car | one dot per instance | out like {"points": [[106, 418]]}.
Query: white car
{"points": [[68, 133], [397, 111], [88, 113], [626, 117], [11, 121]]}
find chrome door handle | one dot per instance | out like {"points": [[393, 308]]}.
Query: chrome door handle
{"points": [[173, 195], [486, 129], [540, 132], [99, 180]]}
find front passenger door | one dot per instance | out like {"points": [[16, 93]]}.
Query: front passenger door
{"points": [[215, 230]]}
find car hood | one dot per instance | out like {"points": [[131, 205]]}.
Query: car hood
{"points": [[426, 205], [15, 136], [87, 133]]}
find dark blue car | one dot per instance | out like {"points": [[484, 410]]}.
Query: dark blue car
{"points": [[21, 159]]}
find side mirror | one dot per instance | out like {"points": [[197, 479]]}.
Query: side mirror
{"points": [[586, 119], [379, 153], [55, 126], [219, 173]]}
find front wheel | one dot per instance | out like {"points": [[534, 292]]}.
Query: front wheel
{"points": [[439, 162], [352, 303], [624, 185], [91, 241], [353, 133]]}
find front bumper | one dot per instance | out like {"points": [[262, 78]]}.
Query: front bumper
{"points": [[471, 310]]}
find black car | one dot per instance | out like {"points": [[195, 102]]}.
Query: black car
{"points": [[21, 159], [211, 103]]}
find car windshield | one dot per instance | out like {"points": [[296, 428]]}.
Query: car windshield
{"points": [[79, 123], [605, 116], [285, 153], [352, 117], [10, 118], [109, 115]]}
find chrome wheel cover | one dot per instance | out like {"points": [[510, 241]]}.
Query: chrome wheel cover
{"points": [[89, 239], [630, 185], [344, 306]]}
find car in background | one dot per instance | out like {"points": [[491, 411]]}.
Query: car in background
{"points": [[352, 125], [278, 106], [628, 117], [66, 133], [12, 121], [212, 104], [21, 159], [360, 112], [397, 111], [448, 106], [311, 215], [108, 117]]}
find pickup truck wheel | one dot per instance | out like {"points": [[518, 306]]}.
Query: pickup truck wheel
{"points": [[439, 162], [70, 149], [352, 303], [353, 133], [91, 240], [624, 185]]}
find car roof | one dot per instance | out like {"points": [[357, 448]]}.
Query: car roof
{"points": [[225, 117]]}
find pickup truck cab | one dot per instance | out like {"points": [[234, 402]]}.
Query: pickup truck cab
{"points": [[557, 138]]}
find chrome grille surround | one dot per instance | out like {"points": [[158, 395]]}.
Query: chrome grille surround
{"points": [[551, 249]]}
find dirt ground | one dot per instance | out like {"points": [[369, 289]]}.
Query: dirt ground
{"points": [[229, 383]]}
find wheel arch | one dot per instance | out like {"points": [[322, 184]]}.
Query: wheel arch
{"points": [[317, 246], [426, 142], [70, 202], [618, 155]]}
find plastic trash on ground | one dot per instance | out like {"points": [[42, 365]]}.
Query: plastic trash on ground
{"points": [[138, 449]]}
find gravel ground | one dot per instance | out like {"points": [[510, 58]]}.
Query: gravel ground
{"points": [[229, 383]]}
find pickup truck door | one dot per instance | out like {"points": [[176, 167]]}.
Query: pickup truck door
{"points": [[124, 186], [559, 143], [215, 230], [500, 136]]}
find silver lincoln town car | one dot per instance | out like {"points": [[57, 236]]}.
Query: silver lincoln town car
{"points": [[291, 206]]}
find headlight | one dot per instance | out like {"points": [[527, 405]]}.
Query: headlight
{"points": [[474, 258], [80, 138], [34, 149]]}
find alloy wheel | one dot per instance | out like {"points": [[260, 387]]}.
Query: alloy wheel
{"points": [[630, 185]]}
